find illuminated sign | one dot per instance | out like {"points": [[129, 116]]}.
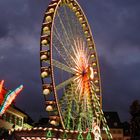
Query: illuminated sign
{"points": [[8, 97], [1, 85]]}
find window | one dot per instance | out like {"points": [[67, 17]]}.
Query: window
{"points": [[119, 131], [107, 117], [20, 122], [17, 121], [4, 116], [7, 117], [13, 119], [114, 131], [115, 124]]}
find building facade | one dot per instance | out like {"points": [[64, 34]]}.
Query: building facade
{"points": [[14, 118], [116, 127]]}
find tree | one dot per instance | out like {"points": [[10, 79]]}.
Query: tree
{"points": [[135, 120]]}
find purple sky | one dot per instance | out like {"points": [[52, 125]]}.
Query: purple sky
{"points": [[115, 26]]}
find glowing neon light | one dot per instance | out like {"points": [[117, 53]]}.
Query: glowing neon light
{"points": [[1, 86], [91, 73], [10, 96], [83, 70]]}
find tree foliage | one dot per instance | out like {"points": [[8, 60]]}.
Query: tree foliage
{"points": [[135, 119]]}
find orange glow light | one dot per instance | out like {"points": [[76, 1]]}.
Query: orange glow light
{"points": [[1, 85]]}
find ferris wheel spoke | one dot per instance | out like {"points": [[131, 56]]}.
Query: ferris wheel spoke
{"points": [[61, 66], [59, 38], [69, 25], [65, 54], [65, 31], [67, 40], [62, 56], [69, 53], [65, 83]]}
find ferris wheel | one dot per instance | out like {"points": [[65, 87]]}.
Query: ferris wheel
{"points": [[69, 68]]}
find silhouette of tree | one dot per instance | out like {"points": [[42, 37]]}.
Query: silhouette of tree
{"points": [[135, 120]]}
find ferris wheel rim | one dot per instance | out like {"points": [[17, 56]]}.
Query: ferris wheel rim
{"points": [[57, 3]]}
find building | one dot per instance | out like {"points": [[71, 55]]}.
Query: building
{"points": [[15, 118], [10, 115], [126, 130], [118, 130]]}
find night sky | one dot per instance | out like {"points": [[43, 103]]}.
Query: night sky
{"points": [[115, 26]]}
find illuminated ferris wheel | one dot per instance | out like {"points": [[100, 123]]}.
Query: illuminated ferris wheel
{"points": [[69, 68]]}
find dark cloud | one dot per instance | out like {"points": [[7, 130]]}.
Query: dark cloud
{"points": [[115, 23], [115, 26], [120, 87], [20, 26]]}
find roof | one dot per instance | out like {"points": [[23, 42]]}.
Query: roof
{"points": [[29, 119], [13, 110], [49, 133], [113, 119]]}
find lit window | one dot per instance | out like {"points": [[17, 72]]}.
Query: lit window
{"points": [[115, 124], [17, 121], [20, 122], [7, 117], [13, 119], [108, 117]]}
